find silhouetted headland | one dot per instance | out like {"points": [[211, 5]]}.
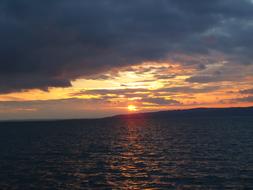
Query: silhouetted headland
{"points": [[196, 112]]}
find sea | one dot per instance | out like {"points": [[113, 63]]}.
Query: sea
{"points": [[182, 153]]}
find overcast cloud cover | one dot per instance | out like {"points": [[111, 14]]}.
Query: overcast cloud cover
{"points": [[48, 43]]}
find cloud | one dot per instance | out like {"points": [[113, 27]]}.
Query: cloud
{"points": [[204, 79], [222, 71], [244, 99], [186, 89], [142, 92], [49, 43], [160, 101], [247, 91]]}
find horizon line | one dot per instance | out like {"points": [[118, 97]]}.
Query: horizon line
{"points": [[116, 115]]}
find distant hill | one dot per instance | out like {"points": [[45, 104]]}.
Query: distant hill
{"points": [[197, 112]]}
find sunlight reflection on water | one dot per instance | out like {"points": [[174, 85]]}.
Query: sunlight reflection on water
{"points": [[128, 154]]}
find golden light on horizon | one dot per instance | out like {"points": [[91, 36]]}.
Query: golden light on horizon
{"points": [[132, 108], [145, 87]]}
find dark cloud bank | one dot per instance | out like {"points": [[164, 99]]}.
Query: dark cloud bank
{"points": [[47, 43]]}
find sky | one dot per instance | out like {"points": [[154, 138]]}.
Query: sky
{"points": [[89, 59]]}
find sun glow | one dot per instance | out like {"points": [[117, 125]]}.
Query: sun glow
{"points": [[132, 108]]}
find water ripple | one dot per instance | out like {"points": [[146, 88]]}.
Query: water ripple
{"points": [[214, 153]]}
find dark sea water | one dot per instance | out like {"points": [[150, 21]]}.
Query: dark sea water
{"points": [[140, 153]]}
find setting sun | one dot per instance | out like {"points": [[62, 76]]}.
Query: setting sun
{"points": [[132, 108]]}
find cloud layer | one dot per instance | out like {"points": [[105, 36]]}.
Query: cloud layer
{"points": [[48, 43]]}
